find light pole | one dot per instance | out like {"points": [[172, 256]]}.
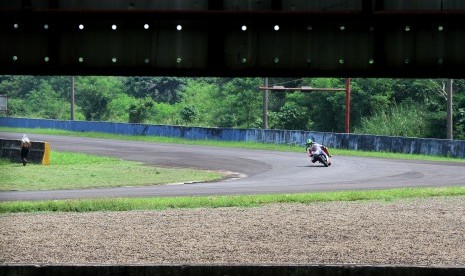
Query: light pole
{"points": [[71, 98], [449, 109], [265, 105]]}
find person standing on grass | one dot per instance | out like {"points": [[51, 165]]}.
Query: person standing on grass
{"points": [[25, 145]]}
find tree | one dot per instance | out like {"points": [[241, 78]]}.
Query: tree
{"points": [[46, 103], [118, 108], [160, 89], [243, 102], [163, 113], [370, 96], [237, 102], [318, 111], [139, 111], [19, 86], [199, 102], [292, 116], [459, 109], [93, 95], [188, 114]]}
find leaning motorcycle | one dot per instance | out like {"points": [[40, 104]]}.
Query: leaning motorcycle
{"points": [[318, 155]]}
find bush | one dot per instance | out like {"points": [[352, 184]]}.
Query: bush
{"points": [[291, 116], [403, 120]]}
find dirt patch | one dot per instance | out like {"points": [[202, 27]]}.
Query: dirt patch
{"points": [[419, 232]]}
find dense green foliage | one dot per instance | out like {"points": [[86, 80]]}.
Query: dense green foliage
{"points": [[400, 107]]}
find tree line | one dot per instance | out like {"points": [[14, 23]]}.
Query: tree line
{"points": [[384, 106]]}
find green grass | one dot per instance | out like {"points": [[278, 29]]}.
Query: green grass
{"points": [[243, 201], [65, 164], [80, 171], [232, 144]]}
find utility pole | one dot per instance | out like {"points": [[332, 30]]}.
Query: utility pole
{"points": [[265, 105], [71, 98], [347, 123], [265, 89], [449, 109]]}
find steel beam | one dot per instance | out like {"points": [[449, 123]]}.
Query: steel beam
{"points": [[269, 38]]}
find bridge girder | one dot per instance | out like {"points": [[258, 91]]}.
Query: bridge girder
{"points": [[321, 38]]}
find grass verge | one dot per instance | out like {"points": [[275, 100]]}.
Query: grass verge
{"points": [[81, 171], [130, 204], [231, 144]]}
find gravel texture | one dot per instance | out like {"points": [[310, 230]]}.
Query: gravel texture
{"points": [[404, 232]]}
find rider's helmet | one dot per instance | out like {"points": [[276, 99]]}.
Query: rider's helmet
{"points": [[309, 142]]}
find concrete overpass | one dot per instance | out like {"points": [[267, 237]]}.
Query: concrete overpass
{"points": [[293, 38]]}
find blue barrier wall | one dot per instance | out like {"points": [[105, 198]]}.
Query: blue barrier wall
{"points": [[439, 147]]}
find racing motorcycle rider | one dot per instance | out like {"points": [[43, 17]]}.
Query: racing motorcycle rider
{"points": [[309, 145]]}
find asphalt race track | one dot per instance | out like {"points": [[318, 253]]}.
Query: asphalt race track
{"points": [[252, 171]]}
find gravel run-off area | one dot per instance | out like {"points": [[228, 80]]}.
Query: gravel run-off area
{"points": [[401, 232]]}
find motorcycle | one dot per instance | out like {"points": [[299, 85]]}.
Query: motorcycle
{"points": [[317, 154]]}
